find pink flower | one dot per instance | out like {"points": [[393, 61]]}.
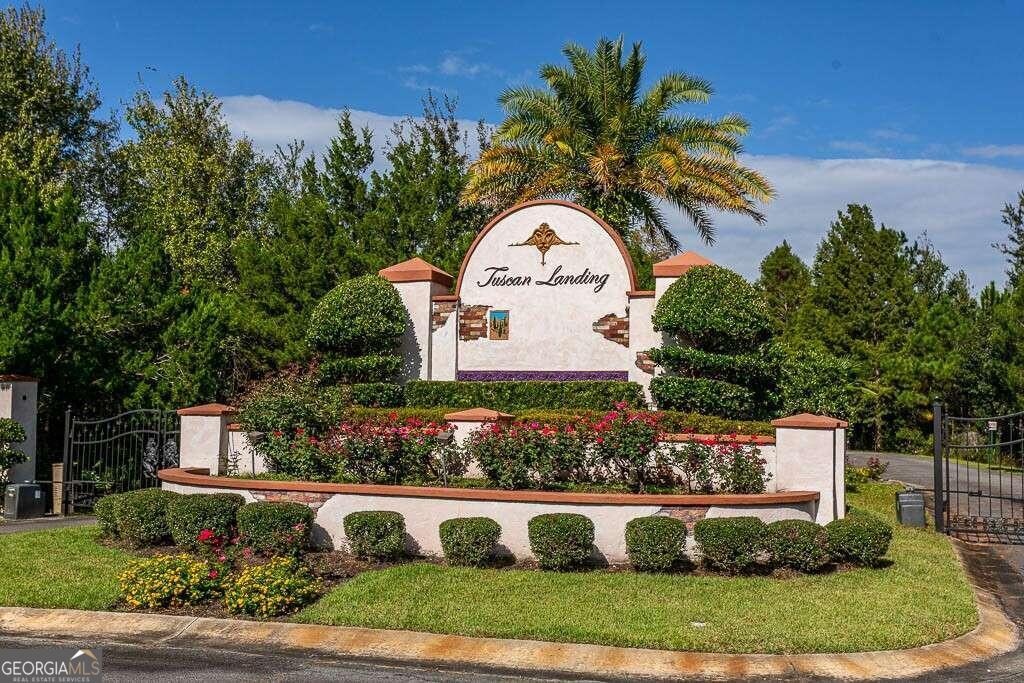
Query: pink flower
{"points": [[213, 574], [621, 405]]}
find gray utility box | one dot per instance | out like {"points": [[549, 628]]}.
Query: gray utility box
{"points": [[24, 501], [910, 508]]}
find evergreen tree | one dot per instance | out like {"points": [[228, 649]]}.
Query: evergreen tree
{"points": [[784, 281], [1013, 248]]}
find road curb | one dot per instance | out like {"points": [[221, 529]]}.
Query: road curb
{"points": [[995, 635]]}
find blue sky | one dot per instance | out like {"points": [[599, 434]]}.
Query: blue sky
{"points": [[912, 107]]}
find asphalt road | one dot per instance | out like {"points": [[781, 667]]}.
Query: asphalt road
{"points": [[131, 663]]}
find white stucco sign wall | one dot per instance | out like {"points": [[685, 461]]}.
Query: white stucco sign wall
{"points": [[544, 290]]}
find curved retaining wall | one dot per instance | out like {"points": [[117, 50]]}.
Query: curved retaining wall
{"points": [[424, 508]]}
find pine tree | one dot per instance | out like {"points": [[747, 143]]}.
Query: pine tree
{"points": [[1013, 249], [784, 281]]}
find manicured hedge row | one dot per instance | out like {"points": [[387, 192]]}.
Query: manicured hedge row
{"points": [[526, 395], [670, 421], [702, 395], [743, 368]]}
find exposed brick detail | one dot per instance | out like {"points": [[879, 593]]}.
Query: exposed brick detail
{"points": [[644, 362], [613, 328], [689, 514], [312, 500], [442, 310], [473, 322]]}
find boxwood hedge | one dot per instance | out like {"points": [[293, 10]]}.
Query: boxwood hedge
{"points": [[512, 396]]}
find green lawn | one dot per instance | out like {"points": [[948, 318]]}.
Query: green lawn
{"points": [[59, 568], [922, 597]]}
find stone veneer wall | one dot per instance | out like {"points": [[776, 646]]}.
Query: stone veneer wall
{"points": [[473, 322], [613, 328], [442, 310]]}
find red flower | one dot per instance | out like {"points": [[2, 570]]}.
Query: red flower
{"points": [[213, 574], [206, 535]]}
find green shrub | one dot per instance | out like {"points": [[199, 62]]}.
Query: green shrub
{"points": [[814, 381], [378, 395], [376, 534], [561, 541], [188, 515], [797, 544], [714, 309], [11, 432], [669, 420], [702, 395], [289, 403], [655, 543], [141, 517], [275, 528], [369, 368], [278, 587], [359, 317], [469, 541], [741, 368], [169, 581], [730, 544], [106, 513], [859, 538], [515, 396]]}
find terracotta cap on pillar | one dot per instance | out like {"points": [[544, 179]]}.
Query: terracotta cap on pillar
{"points": [[679, 264], [208, 410], [416, 270], [17, 378], [478, 415], [810, 421]]}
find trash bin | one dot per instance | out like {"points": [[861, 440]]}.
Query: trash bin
{"points": [[24, 501], [910, 508]]}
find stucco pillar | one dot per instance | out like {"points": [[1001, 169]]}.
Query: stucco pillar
{"points": [[204, 436], [466, 422], [810, 453], [417, 283], [19, 399]]}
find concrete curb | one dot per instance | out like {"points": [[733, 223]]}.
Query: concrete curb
{"points": [[995, 635]]}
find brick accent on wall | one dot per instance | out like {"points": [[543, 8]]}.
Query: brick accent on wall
{"points": [[613, 328], [441, 311], [689, 514], [473, 322], [644, 362], [313, 500]]}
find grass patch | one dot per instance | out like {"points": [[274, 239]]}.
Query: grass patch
{"points": [[59, 568], [922, 597]]}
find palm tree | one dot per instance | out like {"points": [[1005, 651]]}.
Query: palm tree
{"points": [[593, 137]]}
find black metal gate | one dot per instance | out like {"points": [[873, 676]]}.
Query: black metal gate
{"points": [[116, 454], [979, 481]]}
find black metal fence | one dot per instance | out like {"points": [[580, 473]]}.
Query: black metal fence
{"points": [[115, 454], [979, 479]]}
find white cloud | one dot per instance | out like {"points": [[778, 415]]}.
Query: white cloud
{"points": [[957, 203], [993, 151], [855, 146]]}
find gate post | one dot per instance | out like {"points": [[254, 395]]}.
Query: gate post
{"points": [[19, 397], [940, 513]]}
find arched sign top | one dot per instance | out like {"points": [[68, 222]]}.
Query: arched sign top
{"points": [[545, 237]]}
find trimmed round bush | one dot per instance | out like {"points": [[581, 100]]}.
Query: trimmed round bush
{"points": [[730, 544], [376, 534], [189, 514], [655, 543], [561, 540], [859, 538], [169, 581], [359, 317], [469, 541], [275, 528], [714, 309], [106, 513], [141, 516], [702, 395], [797, 544], [278, 587]]}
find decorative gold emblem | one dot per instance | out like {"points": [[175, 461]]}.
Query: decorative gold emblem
{"points": [[543, 238]]}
